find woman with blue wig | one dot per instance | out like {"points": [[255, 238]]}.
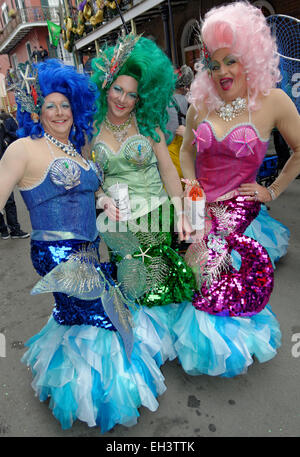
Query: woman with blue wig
{"points": [[85, 358]]}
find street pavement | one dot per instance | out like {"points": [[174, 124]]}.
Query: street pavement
{"points": [[265, 402]]}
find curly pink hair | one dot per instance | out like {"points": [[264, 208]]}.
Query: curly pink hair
{"points": [[242, 28]]}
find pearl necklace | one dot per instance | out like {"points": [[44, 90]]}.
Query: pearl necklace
{"points": [[229, 111], [67, 148], [119, 131]]}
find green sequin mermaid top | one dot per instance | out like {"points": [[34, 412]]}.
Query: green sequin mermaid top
{"points": [[136, 165]]}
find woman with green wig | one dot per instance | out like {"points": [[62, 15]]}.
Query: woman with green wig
{"points": [[141, 197]]}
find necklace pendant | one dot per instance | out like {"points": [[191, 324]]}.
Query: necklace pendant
{"points": [[120, 131]]}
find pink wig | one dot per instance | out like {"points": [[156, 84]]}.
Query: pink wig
{"points": [[242, 28]]}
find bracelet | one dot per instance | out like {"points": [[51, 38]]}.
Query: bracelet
{"points": [[272, 193], [191, 182]]}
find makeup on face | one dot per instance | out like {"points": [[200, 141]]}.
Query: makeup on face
{"points": [[62, 106], [56, 116], [121, 98], [119, 91], [228, 74]]}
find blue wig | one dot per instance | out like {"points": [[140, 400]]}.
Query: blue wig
{"points": [[54, 76]]}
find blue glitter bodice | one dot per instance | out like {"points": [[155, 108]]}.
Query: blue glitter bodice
{"points": [[62, 205]]}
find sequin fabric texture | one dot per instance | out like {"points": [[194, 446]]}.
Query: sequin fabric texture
{"points": [[168, 278], [68, 310], [224, 290]]}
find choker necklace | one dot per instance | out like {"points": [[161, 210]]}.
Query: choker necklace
{"points": [[67, 148], [119, 131], [229, 111]]}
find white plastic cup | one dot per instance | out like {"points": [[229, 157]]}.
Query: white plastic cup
{"points": [[195, 210], [119, 192]]}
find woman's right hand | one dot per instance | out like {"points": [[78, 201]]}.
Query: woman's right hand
{"points": [[108, 205]]}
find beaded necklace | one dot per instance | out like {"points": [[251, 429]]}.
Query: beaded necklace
{"points": [[67, 148], [119, 131]]}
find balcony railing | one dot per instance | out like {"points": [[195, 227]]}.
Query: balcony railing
{"points": [[28, 17]]}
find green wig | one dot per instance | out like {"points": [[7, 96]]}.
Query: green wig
{"points": [[154, 72]]}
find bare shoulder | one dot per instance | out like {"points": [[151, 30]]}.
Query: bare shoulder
{"points": [[278, 98], [277, 105], [15, 161], [195, 116], [20, 147]]}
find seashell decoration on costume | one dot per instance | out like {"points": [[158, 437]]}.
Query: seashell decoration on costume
{"points": [[242, 140], [203, 137], [66, 173]]}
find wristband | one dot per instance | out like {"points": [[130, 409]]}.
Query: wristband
{"points": [[272, 193]]}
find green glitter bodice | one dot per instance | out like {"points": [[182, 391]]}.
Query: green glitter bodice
{"points": [[135, 164]]}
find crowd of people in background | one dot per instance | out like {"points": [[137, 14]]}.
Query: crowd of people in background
{"points": [[9, 224], [39, 54]]}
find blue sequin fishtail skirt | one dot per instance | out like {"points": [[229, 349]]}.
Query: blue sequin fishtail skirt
{"points": [[78, 359]]}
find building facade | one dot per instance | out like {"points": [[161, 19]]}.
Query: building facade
{"points": [[88, 24], [23, 30]]}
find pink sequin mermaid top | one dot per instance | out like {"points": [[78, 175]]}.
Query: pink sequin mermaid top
{"points": [[222, 164]]}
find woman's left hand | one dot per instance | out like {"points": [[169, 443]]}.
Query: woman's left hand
{"points": [[184, 228], [255, 192]]}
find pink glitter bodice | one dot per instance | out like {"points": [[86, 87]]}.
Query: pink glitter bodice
{"points": [[223, 164]]}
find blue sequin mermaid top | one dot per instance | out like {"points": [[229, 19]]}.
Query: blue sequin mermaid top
{"points": [[62, 204]]}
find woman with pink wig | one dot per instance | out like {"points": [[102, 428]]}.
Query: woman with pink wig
{"points": [[234, 107]]}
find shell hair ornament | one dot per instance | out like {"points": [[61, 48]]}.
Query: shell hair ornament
{"points": [[122, 50], [28, 93]]}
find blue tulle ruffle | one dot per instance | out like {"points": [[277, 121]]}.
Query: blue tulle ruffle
{"points": [[85, 372], [224, 346], [270, 233], [153, 326]]}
